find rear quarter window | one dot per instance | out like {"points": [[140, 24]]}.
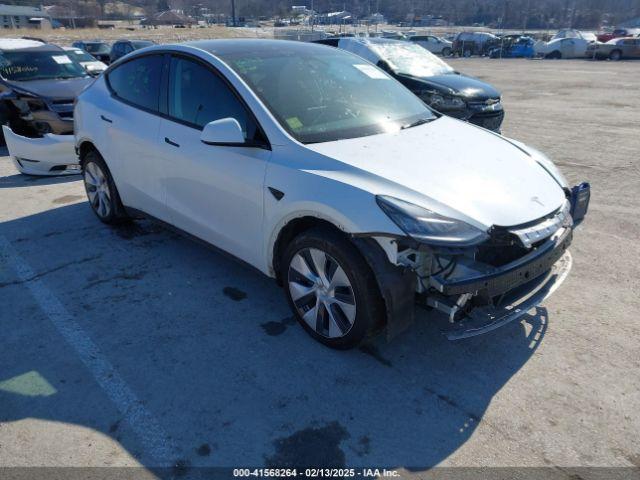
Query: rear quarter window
{"points": [[137, 81]]}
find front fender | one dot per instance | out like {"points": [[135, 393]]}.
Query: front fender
{"points": [[314, 193], [297, 210]]}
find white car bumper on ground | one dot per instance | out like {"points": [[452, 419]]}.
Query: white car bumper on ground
{"points": [[48, 155]]}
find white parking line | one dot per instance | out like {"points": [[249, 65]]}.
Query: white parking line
{"points": [[153, 438]]}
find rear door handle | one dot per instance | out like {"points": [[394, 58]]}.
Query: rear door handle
{"points": [[108, 120], [174, 144]]}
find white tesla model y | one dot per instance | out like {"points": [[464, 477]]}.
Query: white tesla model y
{"points": [[327, 174]]}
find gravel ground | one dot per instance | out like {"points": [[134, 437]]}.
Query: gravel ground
{"points": [[136, 346]]}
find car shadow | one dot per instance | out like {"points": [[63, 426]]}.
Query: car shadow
{"points": [[22, 180], [211, 351]]}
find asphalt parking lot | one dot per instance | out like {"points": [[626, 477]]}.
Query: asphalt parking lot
{"points": [[137, 346]]}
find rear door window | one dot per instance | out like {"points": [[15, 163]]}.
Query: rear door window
{"points": [[138, 81]]}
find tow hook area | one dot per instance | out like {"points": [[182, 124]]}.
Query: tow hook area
{"points": [[453, 309]]}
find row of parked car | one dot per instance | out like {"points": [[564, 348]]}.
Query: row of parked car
{"points": [[618, 45], [110, 53]]}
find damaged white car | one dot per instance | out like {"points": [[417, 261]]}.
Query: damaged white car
{"points": [[325, 173], [565, 44], [38, 86]]}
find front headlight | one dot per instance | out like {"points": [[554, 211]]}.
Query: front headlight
{"points": [[442, 102], [428, 227]]}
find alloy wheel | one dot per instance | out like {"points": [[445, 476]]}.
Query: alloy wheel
{"points": [[322, 293], [97, 187]]}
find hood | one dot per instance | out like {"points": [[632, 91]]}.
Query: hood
{"points": [[55, 89], [95, 65], [453, 168], [468, 87]]}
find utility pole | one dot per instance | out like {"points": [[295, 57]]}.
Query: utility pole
{"points": [[233, 12]]}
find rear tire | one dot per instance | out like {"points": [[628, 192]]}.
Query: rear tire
{"points": [[331, 288], [615, 55], [555, 55], [102, 193], [467, 53]]}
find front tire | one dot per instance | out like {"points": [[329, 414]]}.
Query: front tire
{"points": [[331, 289], [446, 52], [101, 190]]}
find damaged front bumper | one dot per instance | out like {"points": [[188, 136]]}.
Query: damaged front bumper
{"points": [[513, 306], [47, 155], [480, 302], [474, 290]]}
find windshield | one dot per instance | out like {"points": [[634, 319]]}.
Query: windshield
{"points": [[97, 48], [411, 59], [38, 65], [323, 94]]}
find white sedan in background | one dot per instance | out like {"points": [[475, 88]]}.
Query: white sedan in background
{"points": [[436, 45], [322, 171], [565, 44]]}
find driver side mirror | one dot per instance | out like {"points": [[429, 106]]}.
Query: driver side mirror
{"points": [[223, 132]]}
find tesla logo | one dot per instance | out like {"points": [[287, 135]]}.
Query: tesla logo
{"points": [[537, 200]]}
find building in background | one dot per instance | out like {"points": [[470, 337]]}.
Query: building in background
{"points": [[65, 16], [376, 18], [335, 18], [17, 16]]}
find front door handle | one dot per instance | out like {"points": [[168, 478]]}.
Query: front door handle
{"points": [[174, 144], [108, 120]]}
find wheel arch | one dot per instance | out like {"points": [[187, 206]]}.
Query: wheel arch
{"points": [[396, 284], [84, 147], [288, 231]]}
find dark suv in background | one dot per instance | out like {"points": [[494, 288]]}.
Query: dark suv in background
{"points": [[123, 47], [96, 48], [427, 76], [38, 85]]}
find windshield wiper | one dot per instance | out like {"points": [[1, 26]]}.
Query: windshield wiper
{"points": [[422, 121]]}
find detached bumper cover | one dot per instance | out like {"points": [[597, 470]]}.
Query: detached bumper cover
{"points": [[48, 155]]}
